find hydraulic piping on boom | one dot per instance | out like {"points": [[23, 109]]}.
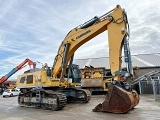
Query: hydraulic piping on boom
{"points": [[52, 88]]}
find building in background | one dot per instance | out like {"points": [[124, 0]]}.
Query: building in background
{"points": [[146, 63]]}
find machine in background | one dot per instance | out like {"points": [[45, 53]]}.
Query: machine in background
{"points": [[14, 70]]}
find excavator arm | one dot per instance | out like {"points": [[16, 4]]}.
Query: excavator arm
{"points": [[14, 70]]}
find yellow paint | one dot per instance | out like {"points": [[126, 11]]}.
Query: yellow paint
{"points": [[77, 37]]}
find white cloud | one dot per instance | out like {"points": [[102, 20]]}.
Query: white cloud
{"points": [[34, 29]]}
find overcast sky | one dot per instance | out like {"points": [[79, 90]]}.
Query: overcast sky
{"points": [[34, 29]]}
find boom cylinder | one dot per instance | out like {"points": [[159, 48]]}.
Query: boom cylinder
{"points": [[64, 59], [89, 23]]}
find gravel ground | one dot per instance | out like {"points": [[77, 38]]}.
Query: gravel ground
{"points": [[147, 109]]}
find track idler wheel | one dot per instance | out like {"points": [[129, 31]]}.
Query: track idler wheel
{"points": [[118, 100]]}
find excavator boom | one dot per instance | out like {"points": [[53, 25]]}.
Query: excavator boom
{"points": [[113, 21]]}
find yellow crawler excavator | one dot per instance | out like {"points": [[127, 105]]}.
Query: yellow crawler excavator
{"points": [[52, 88]]}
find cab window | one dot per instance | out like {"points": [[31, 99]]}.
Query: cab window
{"points": [[29, 79], [22, 80]]}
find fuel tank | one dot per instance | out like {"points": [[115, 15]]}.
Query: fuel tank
{"points": [[118, 100]]}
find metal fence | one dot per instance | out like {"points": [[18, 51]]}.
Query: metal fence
{"points": [[149, 83], [151, 86]]}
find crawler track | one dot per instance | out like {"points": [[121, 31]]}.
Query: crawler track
{"points": [[46, 99], [87, 94], [76, 95]]}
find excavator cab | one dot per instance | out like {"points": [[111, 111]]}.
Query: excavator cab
{"points": [[73, 74]]}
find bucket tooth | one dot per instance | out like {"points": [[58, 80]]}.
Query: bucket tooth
{"points": [[118, 100]]}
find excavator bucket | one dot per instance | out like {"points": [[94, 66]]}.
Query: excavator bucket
{"points": [[118, 100]]}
